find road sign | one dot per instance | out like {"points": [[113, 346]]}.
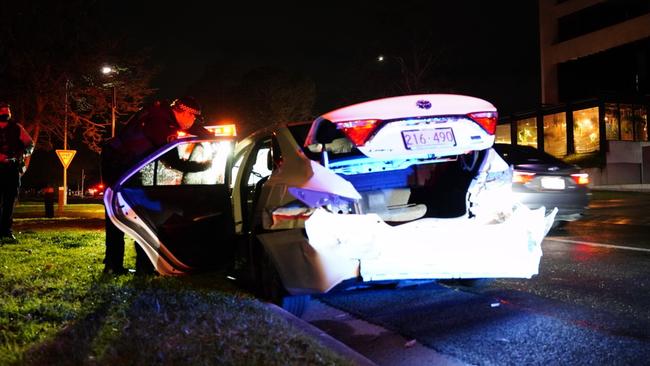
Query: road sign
{"points": [[65, 156]]}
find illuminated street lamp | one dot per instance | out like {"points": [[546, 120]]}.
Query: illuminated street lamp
{"points": [[107, 70]]}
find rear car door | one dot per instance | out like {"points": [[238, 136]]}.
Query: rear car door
{"points": [[182, 219]]}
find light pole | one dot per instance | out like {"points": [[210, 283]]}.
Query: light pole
{"points": [[107, 70]]}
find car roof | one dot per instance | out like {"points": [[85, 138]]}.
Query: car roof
{"points": [[519, 154]]}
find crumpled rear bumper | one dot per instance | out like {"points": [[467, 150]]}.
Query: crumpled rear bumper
{"points": [[339, 247]]}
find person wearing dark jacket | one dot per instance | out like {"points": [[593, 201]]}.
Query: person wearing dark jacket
{"points": [[147, 130], [15, 145]]}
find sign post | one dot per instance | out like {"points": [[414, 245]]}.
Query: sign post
{"points": [[65, 156]]}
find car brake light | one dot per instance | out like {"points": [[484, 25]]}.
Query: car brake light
{"points": [[358, 131], [487, 120], [181, 134], [580, 178], [522, 177]]}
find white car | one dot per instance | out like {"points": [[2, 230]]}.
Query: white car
{"points": [[398, 188]]}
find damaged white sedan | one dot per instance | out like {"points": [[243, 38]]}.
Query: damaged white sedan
{"points": [[398, 188]]}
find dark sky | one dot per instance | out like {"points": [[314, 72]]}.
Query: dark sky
{"points": [[488, 48]]}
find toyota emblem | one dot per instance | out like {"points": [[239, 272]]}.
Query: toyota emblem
{"points": [[423, 104]]}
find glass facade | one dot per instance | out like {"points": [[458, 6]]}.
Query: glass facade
{"points": [[627, 125], [503, 134], [555, 134], [641, 124], [527, 132], [612, 131], [590, 122], [586, 132]]}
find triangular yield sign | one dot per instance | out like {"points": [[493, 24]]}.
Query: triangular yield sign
{"points": [[65, 156]]}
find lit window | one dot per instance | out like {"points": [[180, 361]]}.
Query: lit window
{"points": [[503, 134], [640, 124], [611, 122], [527, 132], [586, 135], [627, 125], [555, 134]]}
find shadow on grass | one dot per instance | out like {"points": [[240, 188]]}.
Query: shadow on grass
{"points": [[73, 344]]}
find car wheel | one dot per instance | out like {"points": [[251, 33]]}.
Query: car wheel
{"points": [[273, 290]]}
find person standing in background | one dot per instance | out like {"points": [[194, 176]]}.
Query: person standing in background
{"points": [[15, 146]]}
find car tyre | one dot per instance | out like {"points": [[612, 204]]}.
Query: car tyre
{"points": [[273, 290]]}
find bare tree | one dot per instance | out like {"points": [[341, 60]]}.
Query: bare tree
{"points": [[270, 96], [54, 50]]}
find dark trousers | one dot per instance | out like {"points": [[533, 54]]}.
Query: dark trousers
{"points": [[114, 257], [9, 184]]}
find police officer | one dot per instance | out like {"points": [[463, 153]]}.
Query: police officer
{"points": [[15, 145], [149, 129]]}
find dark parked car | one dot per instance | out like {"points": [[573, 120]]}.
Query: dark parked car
{"points": [[540, 179]]}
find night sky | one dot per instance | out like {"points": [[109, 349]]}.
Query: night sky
{"points": [[487, 49]]}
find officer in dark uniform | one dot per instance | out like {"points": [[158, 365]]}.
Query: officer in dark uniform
{"points": [[149, 129], [15, 146]]}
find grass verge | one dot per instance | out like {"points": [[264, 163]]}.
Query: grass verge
{"points": [[57, 308]]}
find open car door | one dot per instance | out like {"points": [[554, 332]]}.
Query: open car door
{"points": [[176, 204]]}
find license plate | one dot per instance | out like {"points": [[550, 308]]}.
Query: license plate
{"points": [[422, 139], [553, 183]]}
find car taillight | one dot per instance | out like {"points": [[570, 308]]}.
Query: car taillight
{"points": [[358, 131], [487, 120], [522, 177], [580, 178]]}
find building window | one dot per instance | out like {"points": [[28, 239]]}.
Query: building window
{"points": [[641, 124], [503, 134], [586, 136], [627, 122], [611, 122], [527, 132], [555, 134]]}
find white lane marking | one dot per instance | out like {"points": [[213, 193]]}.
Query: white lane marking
{"points": [[598, 244]]}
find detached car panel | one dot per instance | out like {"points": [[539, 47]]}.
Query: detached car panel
{"points": [[344, 197]]}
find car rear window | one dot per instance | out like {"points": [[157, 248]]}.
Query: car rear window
{"points": [[300, 132]]}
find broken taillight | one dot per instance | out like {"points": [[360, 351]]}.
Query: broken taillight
{"points": [[487, 120], [359, 131]]}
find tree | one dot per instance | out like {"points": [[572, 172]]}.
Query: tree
{"points": [[53, 50], [262, 97], [269, 96]]}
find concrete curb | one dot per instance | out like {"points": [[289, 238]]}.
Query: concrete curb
{"points": [[322, 337]]}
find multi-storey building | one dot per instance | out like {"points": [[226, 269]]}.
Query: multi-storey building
{"points": [[595, 62]]}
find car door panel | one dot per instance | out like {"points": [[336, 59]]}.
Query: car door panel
{"points": [[182, 227]]}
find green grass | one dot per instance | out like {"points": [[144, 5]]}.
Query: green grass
{"points": [[57, 308]]}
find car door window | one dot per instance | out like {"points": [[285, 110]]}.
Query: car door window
{"points": [[185, 215], [168, 169]]}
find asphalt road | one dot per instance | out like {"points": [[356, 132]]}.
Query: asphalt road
{"points": [[590, 304]]}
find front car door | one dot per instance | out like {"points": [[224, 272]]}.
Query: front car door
{"points": [[182, 219]]}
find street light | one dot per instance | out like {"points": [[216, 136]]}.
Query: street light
{"points": [[107, 70]]}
